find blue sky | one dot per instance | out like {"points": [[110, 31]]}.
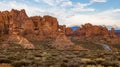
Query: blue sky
{"points": [[70, 12]]}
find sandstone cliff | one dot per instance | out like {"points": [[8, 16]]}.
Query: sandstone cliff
{"points": [[17, 27], [21, 29]]}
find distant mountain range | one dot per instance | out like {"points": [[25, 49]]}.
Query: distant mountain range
{"points": [[75, 27], [117, 31]]}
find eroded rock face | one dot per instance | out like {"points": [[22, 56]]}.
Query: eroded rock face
{"points": [[22, 29], [13, 21], [45, 27], [89, 30], [21, 41], [112, 33], [17, 22], [62, 42], [62, 28], [68, 31]]}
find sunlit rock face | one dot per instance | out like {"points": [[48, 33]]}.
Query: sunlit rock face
{"points": [[22, 41], [17, 22], [88, 30], [22, 29], [62, 42]]}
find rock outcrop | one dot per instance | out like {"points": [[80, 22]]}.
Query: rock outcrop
{"points": [[112, 33], [62, 42], [89, 30], [17, 22], [68, 31], [21, 41], [22, 29], [17, 27]]}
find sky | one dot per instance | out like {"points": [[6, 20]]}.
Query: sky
{"points": [[70, 12]]}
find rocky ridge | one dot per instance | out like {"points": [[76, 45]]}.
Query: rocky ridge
{"points": [[17, 27]]}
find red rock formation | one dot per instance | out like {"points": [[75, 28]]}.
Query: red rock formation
{"points": [[62, 28], [105, 32], [89, 30], [21, 28], [46, 26], [77, 32], [68, 31], [112, 33], [17, 23], [9, 21], [62, 42], [22, 41]]}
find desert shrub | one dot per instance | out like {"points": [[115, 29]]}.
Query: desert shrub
{"points": [[63, 65], [11, 58], [65, 60], [73, 65], [92, 62], [21, 63], [110, 63], [4, 60], [2, 56], [116, 46], [118, 58], [89, 45], [37, 55], [99, 61], [38, 63]]}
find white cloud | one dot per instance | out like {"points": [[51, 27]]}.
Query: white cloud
{"points": [[50, 2], [68, 3], [98, 0], [108, 17], [56, 2], [83, 9], [79, 7], [17, 5]]}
